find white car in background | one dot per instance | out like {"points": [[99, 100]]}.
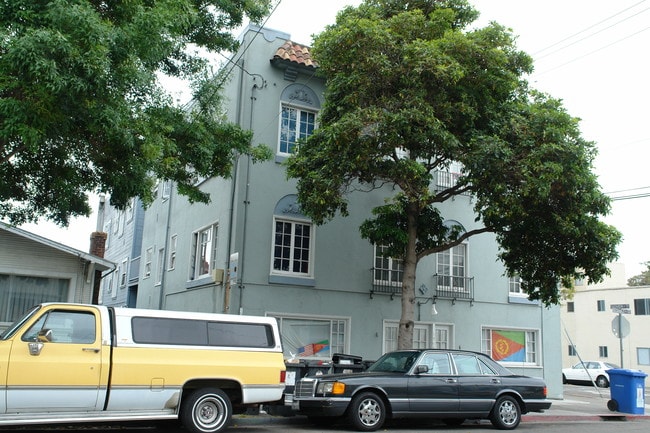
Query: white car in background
{"points": [[588, 372]]}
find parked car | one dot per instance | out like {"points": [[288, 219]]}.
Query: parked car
{"points": [[451, 385], [588, 372]]}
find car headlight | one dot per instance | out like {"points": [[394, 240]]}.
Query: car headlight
{"points": [[335, 388]]}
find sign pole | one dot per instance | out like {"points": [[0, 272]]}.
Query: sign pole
{"points": [[620, 335]]}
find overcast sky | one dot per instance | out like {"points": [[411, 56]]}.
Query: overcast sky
{"points": [[592, 54]]}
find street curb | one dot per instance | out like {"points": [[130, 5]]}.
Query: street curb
{"points": [[585, 418], [537, 419]]}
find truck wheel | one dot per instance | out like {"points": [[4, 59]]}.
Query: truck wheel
{"points": [[505, 414], [367, 412], [206, 410]]}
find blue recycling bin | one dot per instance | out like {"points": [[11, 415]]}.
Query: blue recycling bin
{"points": [[627, 390]]}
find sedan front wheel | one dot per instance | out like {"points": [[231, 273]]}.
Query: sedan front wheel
{"points": [[367, 412], [506, 414]]}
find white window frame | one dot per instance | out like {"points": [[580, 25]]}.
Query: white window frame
{"points": [[453, 272], [124, 269], [392, 267], [166, 189], [148, 257], [293, 247], [341, 345], [203, 256], [171, 262], [160, 266], [532, 344], [287, 138], [423, 335], [514, 287]]}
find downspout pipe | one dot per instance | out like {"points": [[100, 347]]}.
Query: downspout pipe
{"points": [[242, 259]]}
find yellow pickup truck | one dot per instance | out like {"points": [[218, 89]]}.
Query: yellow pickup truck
{"points": [[68, 363]]}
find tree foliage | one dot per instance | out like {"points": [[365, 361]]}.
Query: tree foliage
{"points": [[82, 108], [411, 89], [643, 279]]}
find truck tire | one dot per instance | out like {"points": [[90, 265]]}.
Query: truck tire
{"points": [[206, 410]]}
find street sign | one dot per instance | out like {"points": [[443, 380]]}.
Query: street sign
{"points": [[620, 327], [620, 308]]}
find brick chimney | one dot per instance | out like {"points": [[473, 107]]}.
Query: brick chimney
{"points": [[97, 248]]}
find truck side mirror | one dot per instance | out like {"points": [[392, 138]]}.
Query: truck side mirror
{"points": [[44, 335]]}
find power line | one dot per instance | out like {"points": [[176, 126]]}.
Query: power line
{"points": [[592, 26], [592, 52], [630, 194]]}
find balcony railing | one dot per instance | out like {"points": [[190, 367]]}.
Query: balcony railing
{"points": [[454, 288], [384, 286]]}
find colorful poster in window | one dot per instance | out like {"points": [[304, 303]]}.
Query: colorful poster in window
{"points": [[509, 346], [314, 348]]}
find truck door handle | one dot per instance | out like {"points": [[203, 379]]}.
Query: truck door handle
{"points": [[90, 349]]}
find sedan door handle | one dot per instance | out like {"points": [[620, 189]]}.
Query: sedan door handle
{"points": [[451, 380], [496, 380]]}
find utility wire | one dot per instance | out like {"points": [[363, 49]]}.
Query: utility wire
{"points": [[590, 27], [589, 35], [592, 52]]}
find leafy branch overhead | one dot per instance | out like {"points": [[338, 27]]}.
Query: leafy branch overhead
{"points": [[412, 89], [82, 108]]}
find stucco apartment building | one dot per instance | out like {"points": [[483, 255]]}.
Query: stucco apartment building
{"points": [[590, 317], [251, 250]]}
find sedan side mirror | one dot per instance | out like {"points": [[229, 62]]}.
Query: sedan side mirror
{"points": [[421, 369]]}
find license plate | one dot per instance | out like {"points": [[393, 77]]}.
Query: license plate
{"points": [[295, 405]]}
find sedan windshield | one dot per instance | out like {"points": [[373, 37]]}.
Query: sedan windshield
{"points": [[395, 362]]}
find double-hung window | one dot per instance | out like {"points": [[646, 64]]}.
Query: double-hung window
{"points": [[204, 252], [452, 269], [148, 257], [292, 247], [296, 124], [387, 270]]}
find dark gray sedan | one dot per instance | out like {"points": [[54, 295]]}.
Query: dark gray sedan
{"points": [[451, 385]]}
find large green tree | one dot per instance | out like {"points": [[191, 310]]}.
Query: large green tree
{"points": [[82, 108], [410, 90]]}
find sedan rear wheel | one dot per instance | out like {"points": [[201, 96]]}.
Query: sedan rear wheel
{"points": [[602, 382], [367, 412], [506, 414]]}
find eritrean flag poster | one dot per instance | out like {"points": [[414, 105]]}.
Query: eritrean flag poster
{"points": [[509, 346]]}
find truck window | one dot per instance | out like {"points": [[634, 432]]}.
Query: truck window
{"points": [[155, 330], [75, 327]]}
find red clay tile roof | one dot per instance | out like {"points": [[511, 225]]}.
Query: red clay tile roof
{"points": [[295, 53]]}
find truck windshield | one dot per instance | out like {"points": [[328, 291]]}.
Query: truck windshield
{"points": [[11, 330]]}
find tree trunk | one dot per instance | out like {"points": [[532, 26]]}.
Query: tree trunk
{"points": [[406, 323]]}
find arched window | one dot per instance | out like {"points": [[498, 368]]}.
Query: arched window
{"points": [[299, 107]]}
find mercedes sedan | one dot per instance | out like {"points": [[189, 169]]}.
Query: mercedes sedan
{"points": [[450, 385]]}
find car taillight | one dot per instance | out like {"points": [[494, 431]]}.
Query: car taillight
{"points": [[283, 376], [545, 392]]}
